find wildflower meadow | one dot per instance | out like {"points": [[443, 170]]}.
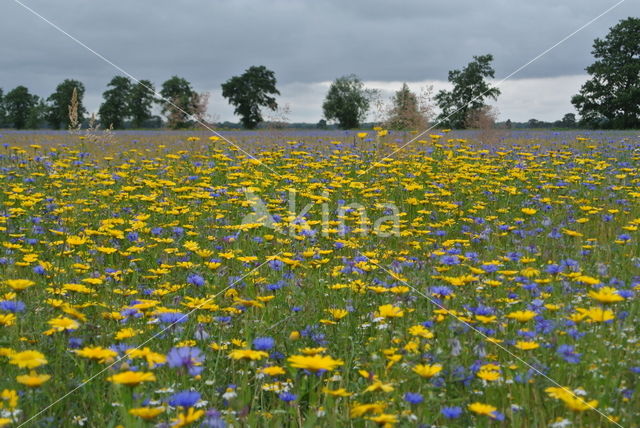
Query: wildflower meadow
{"points": [[322, 279]]}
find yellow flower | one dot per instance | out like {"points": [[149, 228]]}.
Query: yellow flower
{"points": [[338, 313], [61, 324], [76, 240], [5, 421], [131, 378], [522, 316], [185, 419], [146, 413], [427, 370], [528, 211], [28, 359], [7, 320], [420, 330], [384, 419], [314, 363], [379, 386], [488, 375], [482, 409], [526, 345], [273, 370], [606, 295], [571, 400], [33, 379], [9, 399], [98, 353], [598, 314], [362, 409], [389, 311], [19, 284], [341, 392], [362, 134], [247, 354]]}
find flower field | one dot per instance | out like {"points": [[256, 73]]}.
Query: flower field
{"points": [[312, 281]]}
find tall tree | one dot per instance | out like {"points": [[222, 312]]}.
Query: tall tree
{"points": [[611, 98], [407, 111], [3, 111], [347, 101], [470, 90], [58, 115], [141, 99], [38, 113], [115, 108], [249, 92], [18, 103], [180, 102]]}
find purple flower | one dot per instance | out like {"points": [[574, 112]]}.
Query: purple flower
{"points": [[451, 412], [12, 306], [172, 317], [263, 343], [189, 358], [196, 279], [413, 398], [184, 399], [287, 397], [567, 353]]}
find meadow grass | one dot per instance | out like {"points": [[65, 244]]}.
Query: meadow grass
{"points": [[514, 271]]}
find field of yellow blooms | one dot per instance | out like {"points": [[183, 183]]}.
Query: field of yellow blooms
{"points": [[321, 280]]}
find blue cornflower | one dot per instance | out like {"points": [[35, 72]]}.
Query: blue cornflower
{"points": [[451, 412], [12, 306], [287, 397], [184, 399], [450, 260], [263, 343], [413, 398], [187, 357], [172, 317], [196, 279], [567, 353]]}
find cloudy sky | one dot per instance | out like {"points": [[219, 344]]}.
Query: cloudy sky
{"points": [[308, 43]]}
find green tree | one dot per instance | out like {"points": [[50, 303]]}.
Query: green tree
{"points": [[141, 99], [470, 89], [58, 114], [347, 101], [406, 112], [568, 120], [249, 92], [611, 98], [3, 111], [180, 102], [18, 103], [115, 108], [38, 113]]}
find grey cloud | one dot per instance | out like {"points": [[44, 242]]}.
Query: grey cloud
{"points": [[303, 41]]}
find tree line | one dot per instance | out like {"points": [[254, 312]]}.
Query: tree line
{"points": [[609, 99]]}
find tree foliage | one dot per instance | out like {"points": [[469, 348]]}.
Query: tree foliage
{"points": [[251, 91], [140, 102], [347, 101], [611, 98], [180, 102], [18, 105], [59, 101], [409, 111], [470, 90], [115, 108]]}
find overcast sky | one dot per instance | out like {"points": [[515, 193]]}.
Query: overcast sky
{"points": [[308, 43]]}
